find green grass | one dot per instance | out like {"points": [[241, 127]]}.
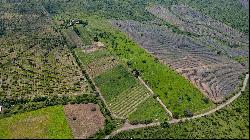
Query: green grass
{"points": [[177, 93], [113, 82], [228, 123], [124, 95], [149, 110], [48, 122], [127, 101], [87, 38], [88, 58]]}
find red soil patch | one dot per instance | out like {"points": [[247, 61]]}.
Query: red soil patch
{"points": [[84, 119]]}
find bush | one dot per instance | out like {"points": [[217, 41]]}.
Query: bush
{"points": [[109, 126], [176, 115], [129, 63], [39, 98], [206, 100], [155, 96], [188, 113], [93, 109], [136, 73], [136, 122], [165, 124], [96, 39]]}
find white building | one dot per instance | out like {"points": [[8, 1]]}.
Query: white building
{"points": [[1, 108]]}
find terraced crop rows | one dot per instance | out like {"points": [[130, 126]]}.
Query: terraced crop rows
{"points": [[127, 101], [190, 56], [106, 69], [216, 81], [192, 21]]}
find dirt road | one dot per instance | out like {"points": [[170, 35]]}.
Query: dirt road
{"points": [[130, 127]]}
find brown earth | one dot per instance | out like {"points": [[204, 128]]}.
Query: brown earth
{"points": [[84, 119], [102, 65]]}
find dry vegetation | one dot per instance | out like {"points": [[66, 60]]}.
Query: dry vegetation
{"points": [[34, 58], [189, 20], [245, 3], [98, 67]]}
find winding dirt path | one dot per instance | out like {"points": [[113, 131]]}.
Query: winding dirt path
{"points": [[158, 99], [130, 127]]}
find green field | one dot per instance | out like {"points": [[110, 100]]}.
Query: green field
{"points": [[156, 113], [123, 93], [46, 123], [115, 81], [228, 123], [163, 80], [88, 58]]}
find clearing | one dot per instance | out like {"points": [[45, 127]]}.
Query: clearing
{"points": [[84, 119]]}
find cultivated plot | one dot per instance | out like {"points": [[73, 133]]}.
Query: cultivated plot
{"points": [[120, 89], [213, 72]]}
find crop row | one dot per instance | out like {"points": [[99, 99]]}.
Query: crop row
{"points": [[190, 20], [216, 81], [127, 101]]}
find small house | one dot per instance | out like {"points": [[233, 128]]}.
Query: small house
{"points": [[1, 108]]}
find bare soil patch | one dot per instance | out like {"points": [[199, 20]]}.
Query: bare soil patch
{"points": [[84, 119], [102, 65]]}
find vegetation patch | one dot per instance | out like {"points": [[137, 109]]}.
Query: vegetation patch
{"points": [[91, 57], [34, 59], [230, 122], [120, 88], [155, 112], [46, 123], [99, 66], [164, 81], [113, 82]]}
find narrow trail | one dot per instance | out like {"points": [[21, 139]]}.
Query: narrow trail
{"points": [[163, 105], [173, 121], [158, 99]]}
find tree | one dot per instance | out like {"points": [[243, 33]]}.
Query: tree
{"points": [[205, 100], [136, 73], [176, 115], [129, 63], [188, 113], [165, 124], [96, 39], [84, 23]]}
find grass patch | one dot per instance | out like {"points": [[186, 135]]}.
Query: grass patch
{"points": [[150, 110], [45, 123], [91, 57]]}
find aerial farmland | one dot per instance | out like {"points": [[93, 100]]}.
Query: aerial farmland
{"points": [[108, 69]]}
